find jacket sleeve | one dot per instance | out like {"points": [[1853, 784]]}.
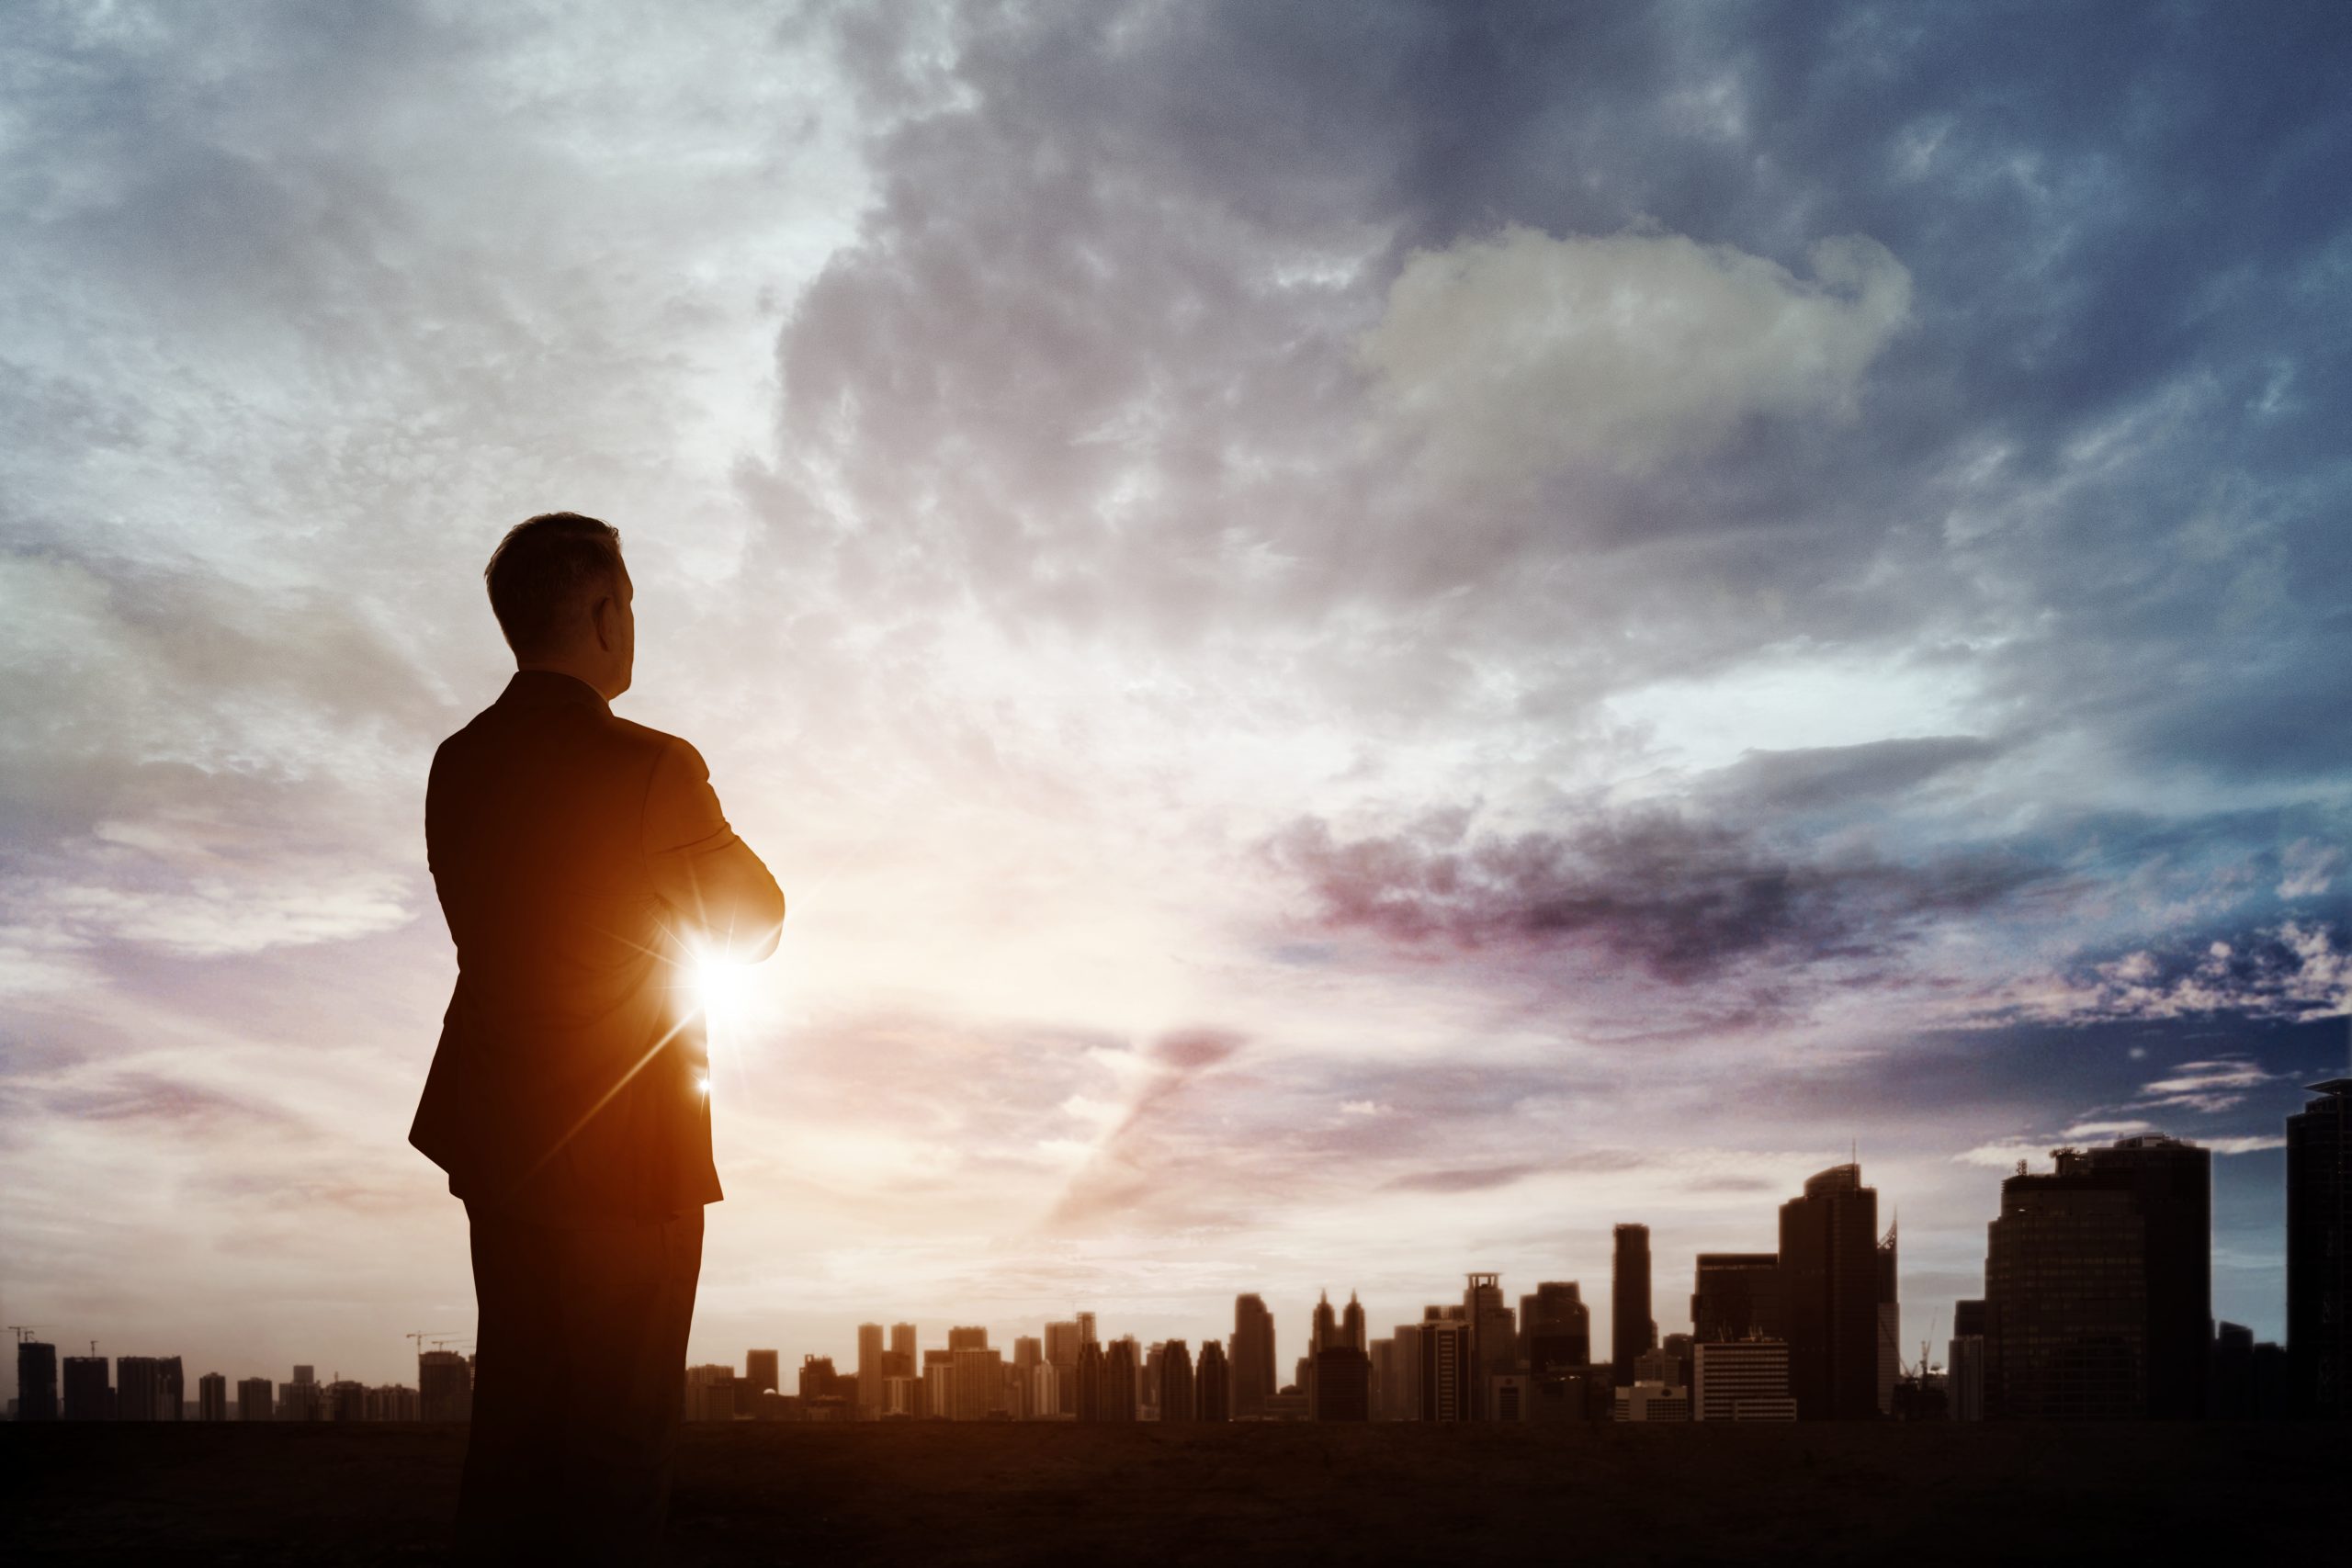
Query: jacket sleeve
{"points": [[717, 890]]}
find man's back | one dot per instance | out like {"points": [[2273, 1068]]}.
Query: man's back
{"points": [[577, 856]]}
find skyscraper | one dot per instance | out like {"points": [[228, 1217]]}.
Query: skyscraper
{"points": [[762, 1368], [1120, 1368], [1449, 1367], [1555, 1326], [1085, 1402], [1736, 1294], [2319, 1253], [1342, 1388], [902, 1343], [1253, 1356], [1062, 1342], [254, 1401], [1326, 1328], [1176, 1389], [1400, 1396], [1631, 1330], [35, 1381], [1351, 1332], [89, 1394], [975, 1377], [2098, 1286], [1890, 1324], [1494, 1336], [1965, 1362], [212, 1397], [870, 1352], [1213, 1383], [1829, 1275], [146, 1389]]}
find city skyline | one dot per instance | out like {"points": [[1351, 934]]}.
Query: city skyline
{"points": [[1832, 1360], [1368, 638]]}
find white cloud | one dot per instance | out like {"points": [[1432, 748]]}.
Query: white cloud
{"points": [[1522, 353]]}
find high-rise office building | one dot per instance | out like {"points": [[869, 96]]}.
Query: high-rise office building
{"points": [[1213, 1383], [444, 1384], [871, 1348], [1556, 1327], [1325, 1330], [300, 1398], [1147, 1396], [1449, 1367], [968, 1338], [1890, 1324], [1028, 1350], [1120, 1368], [1351, 1332], [939, 1383], [1964, 1363], [1253, 1356], [212, 1397], [1176, 1382], [1086, 1400], [902, 1343], [1737, 1296], [976, 1378], [1829, 1285], [762, 1370], [1085, 1335], [1342, 1386], [1494, 1334], [1400, 1392], [254, 1401], [819, 1378], [35, 1381], [1631, 1330], [1062, 1341], [710, 1392], [1726, 1373], [2098, 1286], [2319, 1253]]}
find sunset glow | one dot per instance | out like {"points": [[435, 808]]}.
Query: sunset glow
{"points": [[1355, 670]]}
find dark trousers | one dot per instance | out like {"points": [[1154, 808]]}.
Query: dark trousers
{"points": [[579, 1353]]}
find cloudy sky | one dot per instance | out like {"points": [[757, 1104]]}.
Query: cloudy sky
{"points": [[1368, 637]]}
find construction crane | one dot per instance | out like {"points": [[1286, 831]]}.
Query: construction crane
{"points": [[23, 1331], [1925, 1366], [421, 1335]]}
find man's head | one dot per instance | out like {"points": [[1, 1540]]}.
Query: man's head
{"points": [[562, 597]]}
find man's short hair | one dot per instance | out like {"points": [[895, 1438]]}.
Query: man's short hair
{"points": [[544, 573]]}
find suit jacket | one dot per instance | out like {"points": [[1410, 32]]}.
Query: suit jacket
{"points": [[582, 862]]}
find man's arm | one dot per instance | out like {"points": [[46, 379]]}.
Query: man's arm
{"points": [[720, 893]]}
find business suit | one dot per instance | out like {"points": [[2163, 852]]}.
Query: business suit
{"points": [[581, 862]]}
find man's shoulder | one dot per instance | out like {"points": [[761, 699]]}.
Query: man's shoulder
{"points": [[657, 745]]}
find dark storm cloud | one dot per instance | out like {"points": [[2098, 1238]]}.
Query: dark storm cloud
{"points": [[1684, 900]]}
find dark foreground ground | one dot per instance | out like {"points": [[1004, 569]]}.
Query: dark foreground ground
{"points": [[1894, 1496]]}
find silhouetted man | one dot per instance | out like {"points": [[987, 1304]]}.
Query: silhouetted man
{"points": [[585, 869]]}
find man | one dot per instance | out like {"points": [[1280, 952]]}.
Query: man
{"points": [[585, 869]]}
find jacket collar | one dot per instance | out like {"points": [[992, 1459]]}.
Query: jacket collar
{"points": [[550, 688]]}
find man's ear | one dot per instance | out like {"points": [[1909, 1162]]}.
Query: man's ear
{"points": [[603, 638]]}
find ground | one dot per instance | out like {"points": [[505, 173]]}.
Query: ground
{"points": [[1229, 1495]]}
